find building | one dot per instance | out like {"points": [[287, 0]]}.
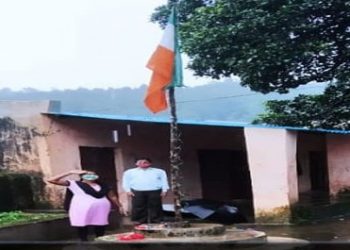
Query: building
{"points": [[267, 167]]}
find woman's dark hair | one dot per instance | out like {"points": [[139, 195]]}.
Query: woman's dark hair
{"points": [[143, 158]]}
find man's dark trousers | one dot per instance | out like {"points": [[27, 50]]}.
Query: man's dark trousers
{"points": [[147, 206]]}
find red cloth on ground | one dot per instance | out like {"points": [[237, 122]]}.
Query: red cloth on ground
{"points": [[131, 236]]}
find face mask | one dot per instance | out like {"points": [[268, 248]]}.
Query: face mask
{"points": [[89, 177], [143, 164]]}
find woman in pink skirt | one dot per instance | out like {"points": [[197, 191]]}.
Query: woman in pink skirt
{"points": [[90, 202]]}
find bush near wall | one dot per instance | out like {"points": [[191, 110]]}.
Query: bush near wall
{"points": [[15, 191], [6, 197], [38, 188]]}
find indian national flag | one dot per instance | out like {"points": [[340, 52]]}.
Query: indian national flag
{"points": [[166, 66]]}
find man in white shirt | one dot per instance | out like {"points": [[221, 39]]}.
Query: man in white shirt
{"points": [[146, 186]]}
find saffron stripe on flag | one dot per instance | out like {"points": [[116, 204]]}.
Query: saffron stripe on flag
{"points": [[163, 64]]}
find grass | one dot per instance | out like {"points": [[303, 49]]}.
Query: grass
{"points": [[18, 217]]}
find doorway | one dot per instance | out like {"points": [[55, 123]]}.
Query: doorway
{"points": [[318, 171], [225, 175], [101, 160]]}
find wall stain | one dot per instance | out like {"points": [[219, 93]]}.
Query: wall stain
{"points": [[280, 215], [16, 145]]}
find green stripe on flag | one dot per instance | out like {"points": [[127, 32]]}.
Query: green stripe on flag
{"points": [[177, 80]]}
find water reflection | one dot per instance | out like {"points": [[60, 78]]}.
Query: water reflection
{"points": [[332, 230], [330, 234]]}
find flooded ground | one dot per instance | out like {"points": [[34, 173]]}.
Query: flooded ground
{"points": [[335, 229], [332, 233]]}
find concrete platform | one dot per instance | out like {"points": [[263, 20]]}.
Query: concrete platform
{"points": [[230, 236]]}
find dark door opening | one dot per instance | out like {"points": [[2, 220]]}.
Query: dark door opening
{"points": [[100, 160], [225, 175], [318, 171]]}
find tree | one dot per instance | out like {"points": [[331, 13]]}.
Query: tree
{"points": [[272, 45], [330, 110]]}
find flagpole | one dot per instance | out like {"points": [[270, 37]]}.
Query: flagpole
{"points": [[175, 155], [175, 141], [166, 65]]}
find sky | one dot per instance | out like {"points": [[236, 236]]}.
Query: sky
{"points": [[67, 44]]}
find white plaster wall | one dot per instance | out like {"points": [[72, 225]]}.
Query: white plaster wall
{"points": [[271, 158], [338, 156], [291, 154]]}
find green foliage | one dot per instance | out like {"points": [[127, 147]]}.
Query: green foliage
{"points": [[15, 191], [272, 45], [38, 189], [18, 217], [328, 111], [185, 10], [9, 217], [22, 190], [6, 197]]}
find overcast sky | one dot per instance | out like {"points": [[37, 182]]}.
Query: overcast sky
{"points": [[66, 44]]}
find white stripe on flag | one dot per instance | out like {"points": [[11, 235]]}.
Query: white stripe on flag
{"points": [[168, 37]]}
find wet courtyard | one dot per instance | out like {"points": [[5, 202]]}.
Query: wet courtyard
{"points": [[332, 230], [333, 233]]}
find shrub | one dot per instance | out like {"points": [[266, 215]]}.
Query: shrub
{"points": [[6, 197], [15, 191], [22, 191]]}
